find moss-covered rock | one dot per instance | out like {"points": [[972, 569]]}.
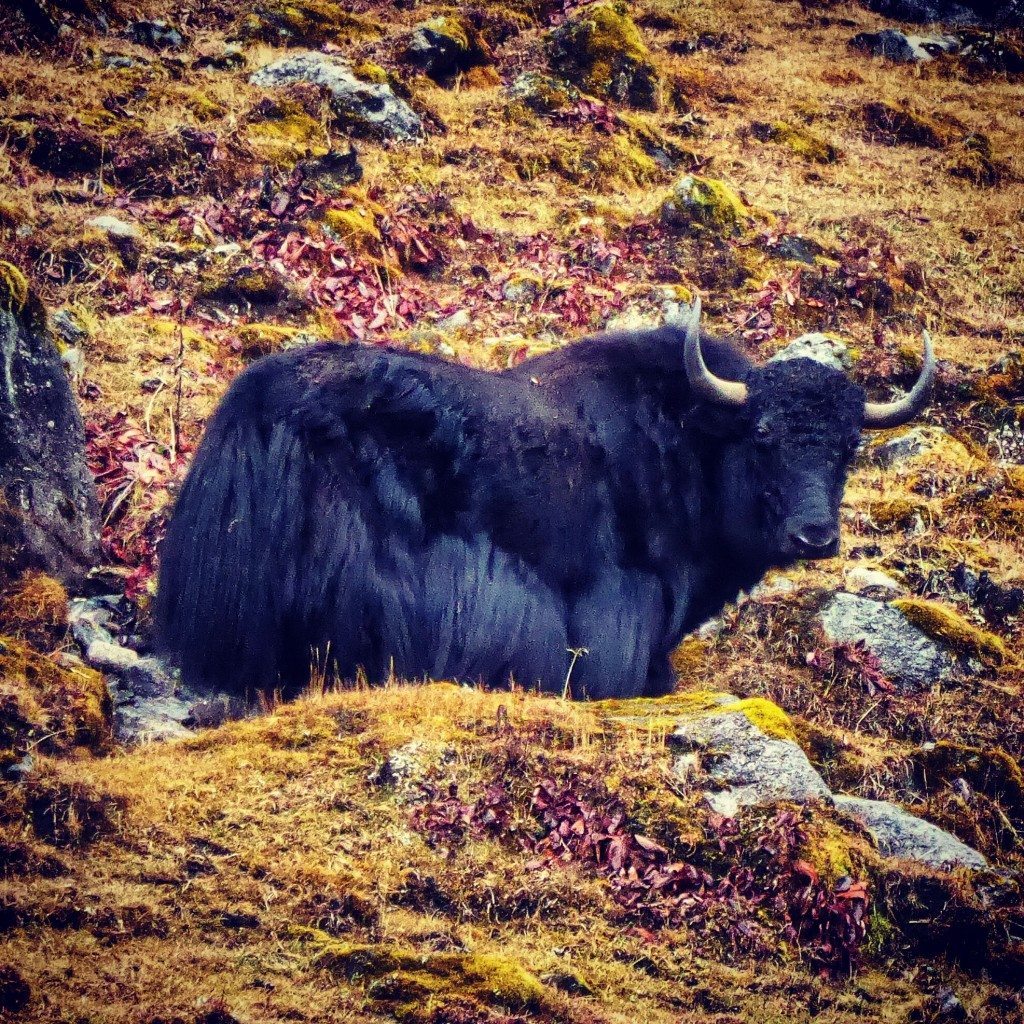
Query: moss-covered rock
{"points": [[47, 708], [953, 630], [35, 609], [543, 94], [408, 979], [446, 46], [601, 50], [306, 22], [260, 339], [801, 140], [249, 286], [698, 203]]}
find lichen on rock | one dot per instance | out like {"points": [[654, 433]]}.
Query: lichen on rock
{"points": [[801, 140], [699, 203]]}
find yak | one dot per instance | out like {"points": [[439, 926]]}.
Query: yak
{"points": [[560, 525]]}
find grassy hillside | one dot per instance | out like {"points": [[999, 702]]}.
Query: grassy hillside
{"points": [[436, 854]]}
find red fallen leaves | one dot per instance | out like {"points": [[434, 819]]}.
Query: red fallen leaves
{"points": [[851, 661], [756, 892], [127, 462], [590, 827], [447, 821]]}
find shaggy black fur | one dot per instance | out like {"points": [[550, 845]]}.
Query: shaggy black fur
{"points": [[374, 509]]}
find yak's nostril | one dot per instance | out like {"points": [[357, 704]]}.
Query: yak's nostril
{"points": [[815, 538]]}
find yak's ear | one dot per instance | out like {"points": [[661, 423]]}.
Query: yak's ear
{"points": [[720, 420]]}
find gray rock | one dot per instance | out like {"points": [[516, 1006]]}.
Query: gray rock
{"points": [[441, 49], [819, 347], [20, 770], [542, 93], [897, 833], [456, 321], [905, 49], [747, 767], [90, 618], [902, 447], [44, 482], [367, 106], [159, 35], [912, 660]]}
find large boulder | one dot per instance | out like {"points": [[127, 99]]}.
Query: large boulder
{"points": [[902, 48], [369, 108], [48, 506]]}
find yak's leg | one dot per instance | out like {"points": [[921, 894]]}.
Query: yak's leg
{"points": [[486, 617], [661, 679], [614, 627]]}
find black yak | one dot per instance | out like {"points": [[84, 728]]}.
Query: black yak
{"points": [[560, 525]]}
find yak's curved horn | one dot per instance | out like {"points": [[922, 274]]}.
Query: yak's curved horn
{"points": [[703, 382], [880, 415]]}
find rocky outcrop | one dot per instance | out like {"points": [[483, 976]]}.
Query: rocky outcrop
{"points": [[445, 46], [748, 751], [48, 508], [745, 754], [369, 108]]}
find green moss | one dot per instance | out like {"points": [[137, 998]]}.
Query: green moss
{"points": [[662, 713], [952, 629], [13, 288], [896, 513], [49, 708], [285, 132], [800, 140], [367, 71], [399, 976], [36, 609], [204, 108], [702, 203]]}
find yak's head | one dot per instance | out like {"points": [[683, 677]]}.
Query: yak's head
{"points": [[796, 425]]}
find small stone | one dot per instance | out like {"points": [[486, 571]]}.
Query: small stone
{"points": [[861, 578], [114, 227], [20, 770], [158, 35], [444, 46], [901, 448], [822, 348], [455, 321], [911, 659], [701, 203], [68, 327], [898, 833], [110, 657], [542, 93]]}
